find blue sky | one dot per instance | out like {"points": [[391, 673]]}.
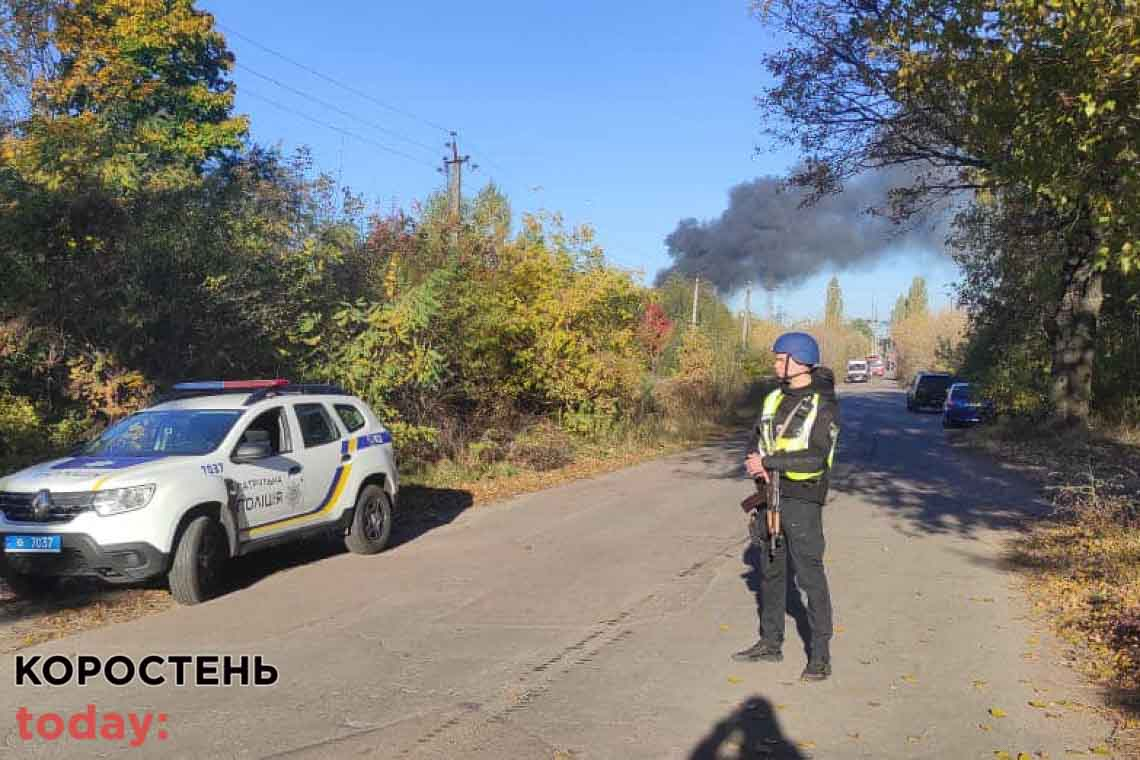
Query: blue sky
{"points": [[625, 116]]}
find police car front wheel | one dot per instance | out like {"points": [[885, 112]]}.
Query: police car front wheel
{"points": [[198, 561]]}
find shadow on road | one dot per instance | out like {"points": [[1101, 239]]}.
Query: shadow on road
{"points": [[751, 732], [904, 462], [421, 510]]}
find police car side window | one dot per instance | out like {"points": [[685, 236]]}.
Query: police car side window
{"points": [[351, 417], [317, 428], [270, 426]]}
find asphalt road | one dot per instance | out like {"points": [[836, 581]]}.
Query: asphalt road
{"points": [[597, 620]]}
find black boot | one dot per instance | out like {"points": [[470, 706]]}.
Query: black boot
{"points": [[819, 660], [816, 670], [761, 651]]}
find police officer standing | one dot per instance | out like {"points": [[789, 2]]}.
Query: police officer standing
{"points": [[797, 432]]}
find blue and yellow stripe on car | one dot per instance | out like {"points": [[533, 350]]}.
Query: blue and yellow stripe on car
{"points": [[332, 497], [352, 445]]}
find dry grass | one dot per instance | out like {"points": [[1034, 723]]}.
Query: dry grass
{"points": [[82, 607], [1082, 563]]}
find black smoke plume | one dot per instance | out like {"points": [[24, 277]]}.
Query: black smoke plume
{"points": [[769, 237]]}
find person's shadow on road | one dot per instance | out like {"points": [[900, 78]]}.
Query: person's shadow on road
{"points": [[751, 732], [794, 603]]}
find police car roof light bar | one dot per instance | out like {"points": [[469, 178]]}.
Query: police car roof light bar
{"points": [[229, 385]]}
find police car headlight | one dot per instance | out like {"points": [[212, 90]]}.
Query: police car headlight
{"points": [[117, 500]]}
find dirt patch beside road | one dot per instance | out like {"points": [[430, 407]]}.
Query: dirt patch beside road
{"points": [[76, 607]]}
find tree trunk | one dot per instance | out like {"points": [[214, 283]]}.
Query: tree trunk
{"points": [[1072, 331]]}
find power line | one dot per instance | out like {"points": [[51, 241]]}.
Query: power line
{"points": [[339, 110], [333, 81], [483, 158], [345, 132]]}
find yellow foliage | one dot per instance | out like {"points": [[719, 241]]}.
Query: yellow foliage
{"points": [[927, 341], [105, 387], [19, 424]]}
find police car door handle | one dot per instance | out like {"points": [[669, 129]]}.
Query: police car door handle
{"points": [[295, 469], [345, 457]]}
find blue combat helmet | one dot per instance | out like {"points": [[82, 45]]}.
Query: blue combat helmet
{"points": [[800, 346]]}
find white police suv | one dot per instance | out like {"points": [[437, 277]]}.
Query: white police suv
{"points": [[214, 471]]}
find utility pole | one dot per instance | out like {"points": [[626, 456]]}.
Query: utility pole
{"points": [[874, 325], [696, 295], [747, 313], [454, 170]]}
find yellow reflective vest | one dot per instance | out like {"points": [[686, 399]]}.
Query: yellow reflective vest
{"points": [[801, 437]]}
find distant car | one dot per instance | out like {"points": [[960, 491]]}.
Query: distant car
{"points": [[928, 391], [877, 368], [857, 371], [963, 407]]}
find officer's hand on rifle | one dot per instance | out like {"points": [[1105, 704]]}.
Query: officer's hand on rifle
{"points": [[754, 465]]}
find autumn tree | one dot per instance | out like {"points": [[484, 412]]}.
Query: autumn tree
{"points": [[917, 303], [982, 95], [833, 312], [110, 174]]}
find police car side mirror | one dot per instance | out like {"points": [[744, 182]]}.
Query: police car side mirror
{"points": [[249, 452]]}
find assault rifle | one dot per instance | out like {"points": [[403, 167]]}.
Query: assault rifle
{"points": [[767, 498]]}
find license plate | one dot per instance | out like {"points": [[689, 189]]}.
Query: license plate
{"points": [[32, 544]]}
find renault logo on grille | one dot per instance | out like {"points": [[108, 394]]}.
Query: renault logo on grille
{"points": [[41, 505]]}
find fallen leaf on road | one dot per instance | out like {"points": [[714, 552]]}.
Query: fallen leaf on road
{"points": [[985, 727], [865, 662], [1054, 715], [780, 707], [855, 735], [1038, 703], [1023, 756], [979, 683], [1033, 641], [806, 745], [908, 678], [981, 598], [1100, 749], [914, 739], [1001, 754], [840, 629], [734, 679], [997, 712], [873, 703], [723, 627]]}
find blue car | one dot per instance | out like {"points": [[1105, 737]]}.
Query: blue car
{"points": [[963, 407]]}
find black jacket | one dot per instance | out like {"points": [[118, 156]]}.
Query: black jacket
{"points": [[814, 457]]}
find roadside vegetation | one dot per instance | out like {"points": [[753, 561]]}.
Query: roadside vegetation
{"points": [[145, 238]]}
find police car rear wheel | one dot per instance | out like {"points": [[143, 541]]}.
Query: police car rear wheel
{"points": [[371, 522], [198, 560]]}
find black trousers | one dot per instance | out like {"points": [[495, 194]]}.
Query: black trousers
{"points": [[801, 526]]}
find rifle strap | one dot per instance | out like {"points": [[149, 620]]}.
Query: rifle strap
{"points": [[791, 416]]}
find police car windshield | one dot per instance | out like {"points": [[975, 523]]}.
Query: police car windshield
{"points": [[184, 432]]}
